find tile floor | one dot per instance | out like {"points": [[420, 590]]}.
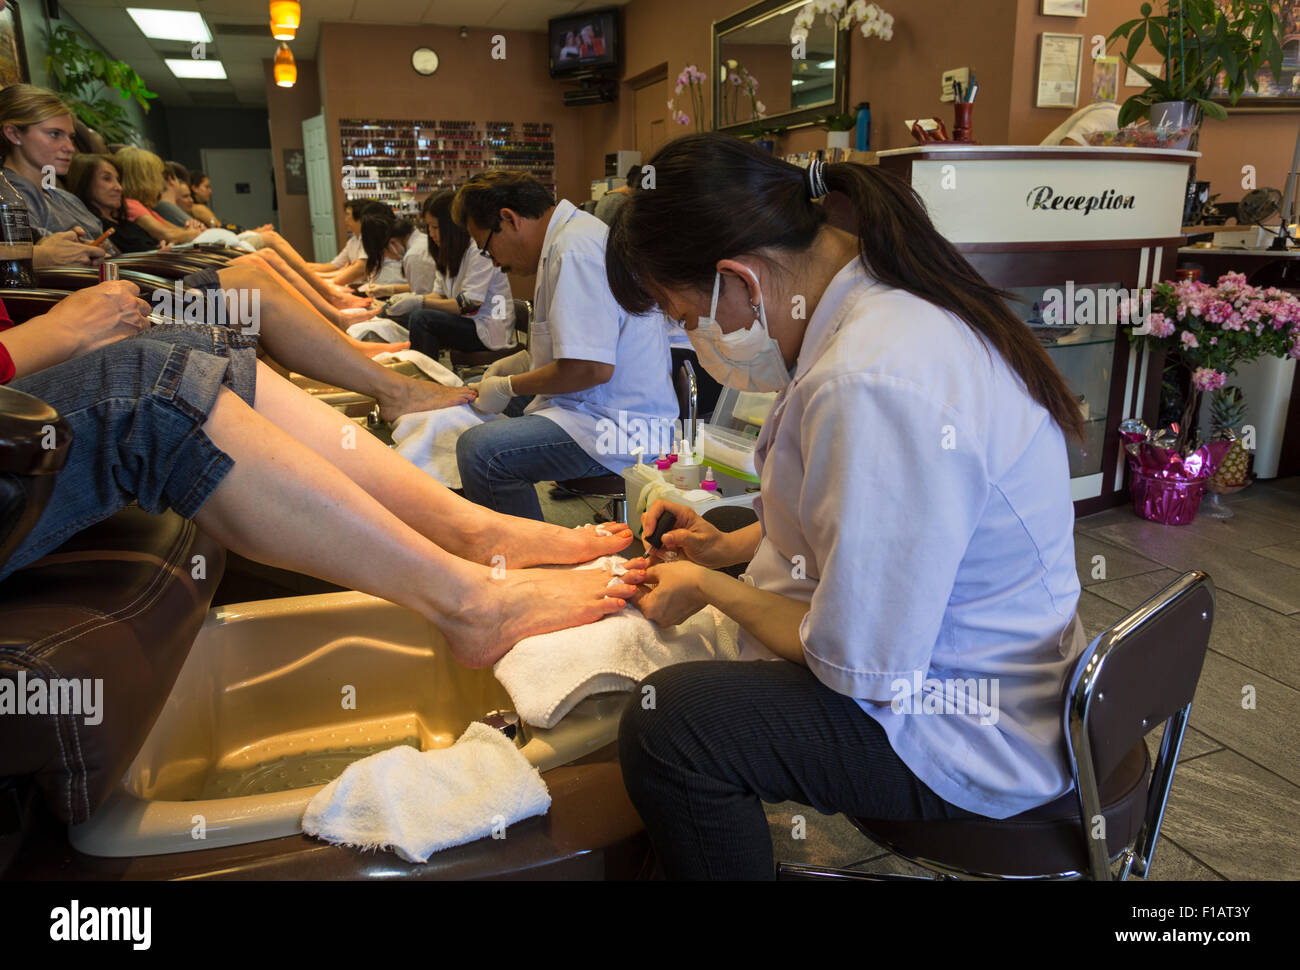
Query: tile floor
{"points": [[1234, 810]]}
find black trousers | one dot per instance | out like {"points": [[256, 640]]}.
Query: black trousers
{"points": [[724, 737], [433, 331]]}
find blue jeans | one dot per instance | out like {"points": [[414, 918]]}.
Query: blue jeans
{"points": [[501, 461], [136, 410]]}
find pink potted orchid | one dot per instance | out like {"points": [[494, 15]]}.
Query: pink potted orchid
{"points": [[692, 79]]}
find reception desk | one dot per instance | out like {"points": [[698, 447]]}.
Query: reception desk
{"points": [[1050, 224]]}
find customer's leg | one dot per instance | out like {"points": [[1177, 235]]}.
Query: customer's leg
{"points": [[300, 340], [276, 268], [501, 462], [137, 411], [433, 331], [278, 248], [703, 745], [462, 527], [282, 503]]}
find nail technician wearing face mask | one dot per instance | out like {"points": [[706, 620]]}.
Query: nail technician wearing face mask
{"points": [[915, 522]]}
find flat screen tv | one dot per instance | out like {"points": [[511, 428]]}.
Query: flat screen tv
{"points": [[583, 43]]}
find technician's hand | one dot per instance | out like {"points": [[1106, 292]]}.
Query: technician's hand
{"points": [[102, 314], [404, 303], [70, 248], [673, 595], [694, 538], [519, 363], [494, 393]]}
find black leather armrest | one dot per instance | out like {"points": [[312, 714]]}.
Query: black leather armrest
{"points": [[34, 444]]}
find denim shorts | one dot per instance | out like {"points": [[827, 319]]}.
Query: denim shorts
{"points": [[136, 410]]}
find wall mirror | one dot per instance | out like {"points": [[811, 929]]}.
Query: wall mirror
{"points": [[756, 81]]}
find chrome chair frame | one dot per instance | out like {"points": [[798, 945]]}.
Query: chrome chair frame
{"points": [[1081, 693]]}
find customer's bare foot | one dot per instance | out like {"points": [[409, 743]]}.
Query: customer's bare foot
{"points": [[527, 602], [342, 298], [372, 349], [346, 318], [413, 396], [540, 543]]}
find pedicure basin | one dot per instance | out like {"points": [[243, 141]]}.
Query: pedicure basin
{"points": [[277, 697]]}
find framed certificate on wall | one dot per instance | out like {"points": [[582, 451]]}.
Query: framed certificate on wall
{"points": [[1065, 8], [1060, 59]]}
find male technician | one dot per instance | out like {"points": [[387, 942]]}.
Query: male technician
{"points": [[599, 378]]}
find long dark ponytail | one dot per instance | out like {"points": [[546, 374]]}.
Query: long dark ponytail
{"points": [[743, 200]]}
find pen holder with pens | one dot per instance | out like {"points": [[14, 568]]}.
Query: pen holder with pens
{"points": [[961, 131]]}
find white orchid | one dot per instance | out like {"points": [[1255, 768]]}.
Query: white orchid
{"points": [[842, 14]]}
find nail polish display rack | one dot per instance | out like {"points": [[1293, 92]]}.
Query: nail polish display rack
{"points": [[402, 162]]}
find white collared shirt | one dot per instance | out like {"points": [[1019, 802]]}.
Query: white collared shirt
{"points": [[920, 499], [483, 283], [418, 267], [576, 317]]}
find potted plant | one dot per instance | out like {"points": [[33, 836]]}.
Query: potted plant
{"points": [[837, 129], [1199, 41], [86, 77], [1209, 330]]}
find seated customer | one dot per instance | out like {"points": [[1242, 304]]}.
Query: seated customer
{"points": [[37, 139], [95, 180], [143, 183], [186, 418], [201, 192], [598, 374], [176, 196], [468, 307]]}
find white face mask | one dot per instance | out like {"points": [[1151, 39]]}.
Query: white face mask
{"points": [[749, 359]]}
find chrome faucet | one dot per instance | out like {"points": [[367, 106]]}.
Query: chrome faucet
{"points": [[508, 723]]}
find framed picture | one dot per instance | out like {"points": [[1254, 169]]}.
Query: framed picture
{"points": [[1060, 59], [1105, 79], [13, 54], [1272, 95], [1065, 8], [295, 171]]}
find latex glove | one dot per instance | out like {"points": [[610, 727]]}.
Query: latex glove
{"points": [[494, 393], [403, 303], [509, 366]]}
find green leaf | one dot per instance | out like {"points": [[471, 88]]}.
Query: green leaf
{"points": [[1213, 109], [1135, 42]]}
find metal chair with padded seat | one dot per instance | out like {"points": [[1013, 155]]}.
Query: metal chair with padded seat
{"points": [[611, 489], [1139, 673]]}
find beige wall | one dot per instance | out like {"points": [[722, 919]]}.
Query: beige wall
{"points": [[286, 109], [998, 39], [365, 72]]}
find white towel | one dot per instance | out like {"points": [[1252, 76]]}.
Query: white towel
{"points": [[432, 369], [383, 328], [547, 675], [427, 439], [418, 802]]}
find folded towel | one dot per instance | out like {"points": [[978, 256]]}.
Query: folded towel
{"points": [[386, 330], [432, 369], [418, 802], [547, 675], [427, 439]]}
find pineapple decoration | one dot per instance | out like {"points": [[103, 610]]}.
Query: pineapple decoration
{"points": [[1227, 411]]}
